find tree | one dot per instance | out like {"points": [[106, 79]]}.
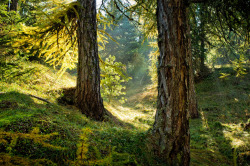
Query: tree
{"points": [[192, 101], [128, 48], [88, 96], [146, 9], [198, 20], [12, 5], [170, 134], [56, 38]]}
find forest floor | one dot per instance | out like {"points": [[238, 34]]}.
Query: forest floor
{"points": [[34, 132]]}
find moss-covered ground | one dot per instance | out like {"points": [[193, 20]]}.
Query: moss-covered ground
{"points": [[34, 132]]}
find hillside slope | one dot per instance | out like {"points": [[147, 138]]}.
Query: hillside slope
{"points": [[35, 132]]}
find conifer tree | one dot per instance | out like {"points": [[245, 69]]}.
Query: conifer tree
{"points": [[88, 96], [170, 134]]}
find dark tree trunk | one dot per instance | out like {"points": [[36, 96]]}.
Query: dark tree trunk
{"points": [[170, 135], [13, 5], [203, 71], [192, 102], [88, 96], [202, 40]]}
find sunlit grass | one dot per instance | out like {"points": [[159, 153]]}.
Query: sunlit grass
{"points": [[239, 138], [138, 118]]}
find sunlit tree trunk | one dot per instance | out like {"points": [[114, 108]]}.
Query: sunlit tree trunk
{"points": [[170, 135], [88, 97]]}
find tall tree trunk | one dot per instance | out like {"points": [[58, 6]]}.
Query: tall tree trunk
{"points": [[202, 39], [88, 96], [204, 71], [170, 135], [13, 5], [192, 101]]}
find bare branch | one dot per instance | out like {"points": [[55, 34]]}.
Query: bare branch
{"points": [[39, 98]]}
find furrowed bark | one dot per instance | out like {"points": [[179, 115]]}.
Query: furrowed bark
{"points": [[88, 96], [170, 135]]}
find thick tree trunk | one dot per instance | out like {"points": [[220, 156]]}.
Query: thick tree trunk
{"points": [[170, 135], [88, 96]]}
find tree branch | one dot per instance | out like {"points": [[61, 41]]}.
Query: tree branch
{"points": [[39, 98]]}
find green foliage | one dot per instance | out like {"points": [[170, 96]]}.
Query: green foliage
{"points": [[82, 147], [239, 66], [8, 24], [7, 18], [112, 79], [153, 56], [128, 47], [54, 36], [8, 160], [34, 135], [95, 157], [13, 72]]}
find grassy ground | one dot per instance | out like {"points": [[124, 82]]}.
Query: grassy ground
{"points": [[34, 132]]}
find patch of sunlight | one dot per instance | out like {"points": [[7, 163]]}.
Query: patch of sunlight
{"points": [[235, 99], [211, 142], [238, 137], [204, 120], [130, 115]]}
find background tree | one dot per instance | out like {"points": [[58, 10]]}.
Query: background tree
{"points": [[127, 44], [198, 23], [215, 28]]}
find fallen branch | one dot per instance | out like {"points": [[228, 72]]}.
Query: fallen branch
{"points": [[39, 98]]}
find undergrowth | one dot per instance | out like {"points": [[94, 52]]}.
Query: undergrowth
{"points": [[34, 132]]}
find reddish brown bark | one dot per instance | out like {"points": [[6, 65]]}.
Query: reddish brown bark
{"points": [[88, 96], [170, 132]]}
